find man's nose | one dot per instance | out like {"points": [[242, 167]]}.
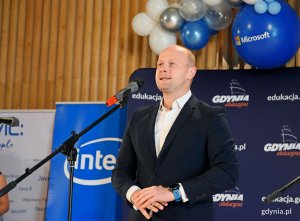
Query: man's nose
{"points": [[164, 68]]}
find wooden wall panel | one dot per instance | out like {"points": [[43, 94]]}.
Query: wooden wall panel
{"points": [[36, 46], [84, 50], [114, 53], [69, 51], [61, 51], [86, 53], [27, 60], [106, 13], [11, 54], [18, 77], [96, 47], [4, 36]]}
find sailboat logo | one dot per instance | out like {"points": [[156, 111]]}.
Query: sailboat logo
{"points": [[289, 146], [236, 88], [238, 96], [287, 135]]}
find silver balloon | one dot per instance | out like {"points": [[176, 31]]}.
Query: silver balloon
{"points": [[171, 20], [218, 17], [235, 3], [192, 10]]}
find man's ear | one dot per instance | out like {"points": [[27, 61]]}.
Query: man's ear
{"points": [[192, 73]]}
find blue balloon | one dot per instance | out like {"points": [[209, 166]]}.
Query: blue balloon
{"points": [[260, 7], [195, 35], [263, 40]]}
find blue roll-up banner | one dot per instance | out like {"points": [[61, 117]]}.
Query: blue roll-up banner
{"points": [[93, 195], [263, 109]]}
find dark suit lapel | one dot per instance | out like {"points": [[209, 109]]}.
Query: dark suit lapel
{"points": [[183, 116], [150, 129]]}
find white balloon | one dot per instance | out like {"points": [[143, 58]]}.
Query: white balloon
{"points": [[142, 24], [250, 2], [160, 39], [212, 2], [154, 8]]}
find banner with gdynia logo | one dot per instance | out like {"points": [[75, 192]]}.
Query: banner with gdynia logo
{"points": [[93, 195], [262, 107]]}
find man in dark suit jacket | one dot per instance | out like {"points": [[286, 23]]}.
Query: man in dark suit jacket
{"points": [[176, 154]]}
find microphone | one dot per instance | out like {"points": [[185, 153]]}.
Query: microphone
{"points": [[277, 193], [11, 121], [132, 87]]}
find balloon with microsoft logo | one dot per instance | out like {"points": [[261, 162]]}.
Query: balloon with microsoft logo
{"points": [[263, 40]]}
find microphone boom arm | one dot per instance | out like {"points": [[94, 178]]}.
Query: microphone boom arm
{"points": [[277, 193]]}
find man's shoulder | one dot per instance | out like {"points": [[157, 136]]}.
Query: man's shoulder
{"points": [[144, 110], [205, 107]]}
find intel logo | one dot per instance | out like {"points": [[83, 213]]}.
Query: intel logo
{"points": [[95, 161]]}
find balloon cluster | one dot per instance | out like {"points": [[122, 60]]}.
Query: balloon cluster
{"points": [[192, 21], [263, 40]]}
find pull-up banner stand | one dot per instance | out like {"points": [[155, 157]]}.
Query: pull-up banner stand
{"points": [[93, 195]]}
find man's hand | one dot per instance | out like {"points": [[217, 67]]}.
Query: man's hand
{"points": [[140, 196], [154, 198], [142, 210]]}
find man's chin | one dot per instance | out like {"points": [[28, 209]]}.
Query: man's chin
{"points": [[164, 89]]}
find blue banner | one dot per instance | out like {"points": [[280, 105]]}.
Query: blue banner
{"points": [[93, 195]]}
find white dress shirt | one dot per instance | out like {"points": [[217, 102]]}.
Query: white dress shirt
{"points": [[164, 121]]}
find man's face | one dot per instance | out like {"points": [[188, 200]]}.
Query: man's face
{"points": [[173, 71]]}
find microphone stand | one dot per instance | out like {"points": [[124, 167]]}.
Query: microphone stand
{"points": [[68, 149], [277, 193]]}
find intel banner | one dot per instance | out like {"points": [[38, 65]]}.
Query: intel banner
{"points": [[263, 109], [93, 195], [23, 147]]}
